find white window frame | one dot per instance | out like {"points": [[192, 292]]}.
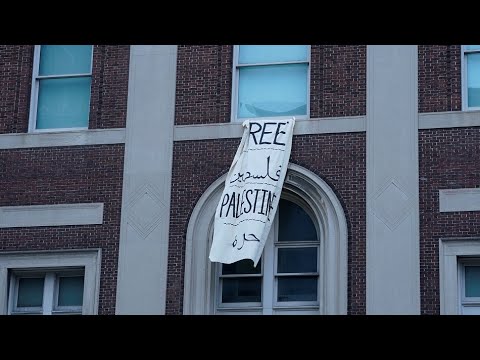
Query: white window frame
{"points": [[269, 304], [14, 263], [32, 123], [464, 68], [453, 252], [50, 290], [467, 301], [236, 75]]}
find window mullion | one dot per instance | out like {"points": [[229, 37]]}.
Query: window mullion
{"points": [[274, 63], [63, 76], [268, 269], [48, 293]]}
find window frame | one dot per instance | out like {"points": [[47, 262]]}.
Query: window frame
{"points": [[235, 82], [452, 252], [464, 70], [57, 260], [32, 123], [466, 301], [269, 271], [14, 279], [66, 273], [50, 291]]}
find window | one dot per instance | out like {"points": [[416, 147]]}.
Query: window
{"points": [[61, 82], [459, 270], [471, 77], [47, 292], [470, 286], [310, 195], [271, 81], [286, 279], [50, 282]]}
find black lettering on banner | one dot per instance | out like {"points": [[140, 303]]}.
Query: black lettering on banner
{"points": [[234, 202], [252, 238], [263, 202], [255, 202], [252, 133], [279, 132], [270, 199], [247, 175], [231, 205], [265, 132], [242, 202], [224, 202], [248, 200]]}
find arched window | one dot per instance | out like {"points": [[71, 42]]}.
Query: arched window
{"points": [[287, 276], [303, 269]]}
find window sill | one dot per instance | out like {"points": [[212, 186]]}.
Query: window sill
{"points": [[302, 127], [58, 130], [449, 119], [62, 138]]}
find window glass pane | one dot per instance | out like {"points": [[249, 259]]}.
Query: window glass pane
{"points": [[473, 81], [472, 47], [30, 292], [241, 267], [70, 291], [277, 90], [297, 288], [254, 54], [65, 59], [294, 223], [297, 260], [472, 281], [63, 103], [242, 290]]}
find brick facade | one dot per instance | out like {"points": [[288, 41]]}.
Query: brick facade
{"points": [[338, 80], [108, 105], [204, 82], [339, 159], [439, 78], [108, 102], [449, 159], [60, 175], [16, 63]]}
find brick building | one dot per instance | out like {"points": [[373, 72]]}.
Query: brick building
{"points": [[112, 160]]}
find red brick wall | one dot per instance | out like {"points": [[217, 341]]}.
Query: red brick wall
{"points": [[338, 80], [108, 105], [439, 78], [449, 159], [15, 86], [204, 82], [338, 159], [59, 175]]}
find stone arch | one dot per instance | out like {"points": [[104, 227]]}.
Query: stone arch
{"points": [[329, 215]]}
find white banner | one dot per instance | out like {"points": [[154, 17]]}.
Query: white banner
{"points": [[252, 191]]}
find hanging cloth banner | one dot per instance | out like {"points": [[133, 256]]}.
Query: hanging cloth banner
{"points": [[252, 191]]}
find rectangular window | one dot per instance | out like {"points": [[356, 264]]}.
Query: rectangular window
{"points": [[471, 77], [241, 283], [470, 286], [37, 292], [271, 81], [62, 76]]}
